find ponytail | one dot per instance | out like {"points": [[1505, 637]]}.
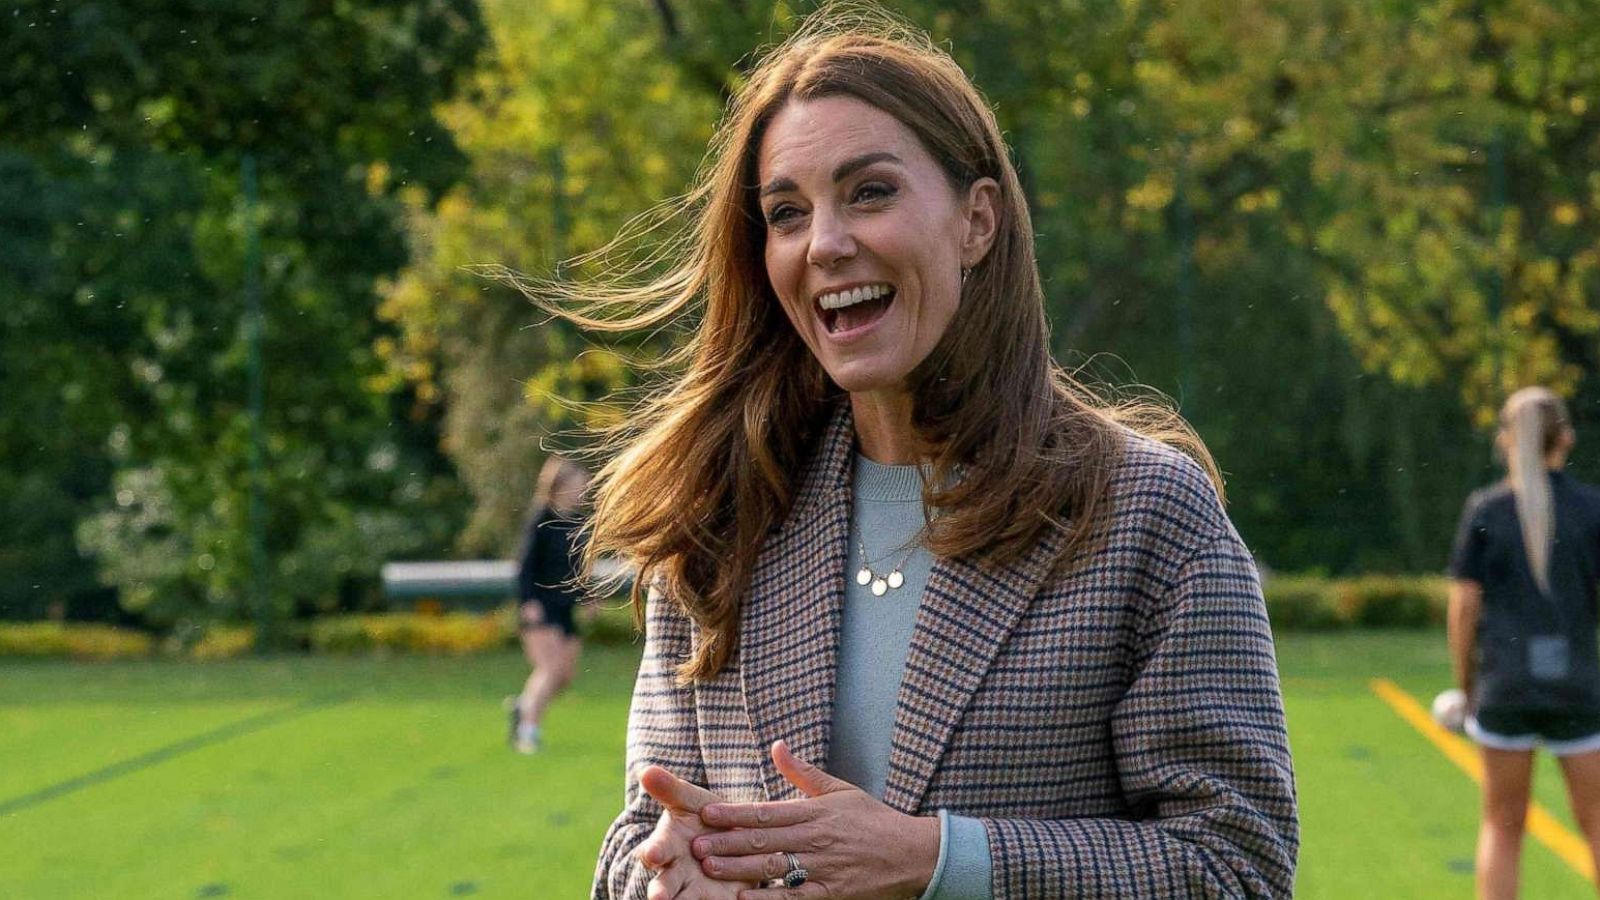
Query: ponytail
{"points": [[1534, 420]]}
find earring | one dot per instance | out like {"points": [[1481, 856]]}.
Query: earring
{"points": [[966, 272]]}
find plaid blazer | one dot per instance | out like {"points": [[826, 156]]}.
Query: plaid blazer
{"points": [[1118, 728]]}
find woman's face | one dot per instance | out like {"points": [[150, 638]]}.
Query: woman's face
{"points": [[865, 237]]}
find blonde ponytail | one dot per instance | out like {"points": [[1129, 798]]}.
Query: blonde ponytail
{"points": [[1534, 420]]}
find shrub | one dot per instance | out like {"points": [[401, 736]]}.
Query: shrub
{"points": [[1301, 603], [451, 633], [73, 640], [1388, 601], [224, 642], [1308, 603], [611, 623]]}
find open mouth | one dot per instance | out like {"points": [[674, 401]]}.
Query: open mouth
{"points": [[847, 310]]}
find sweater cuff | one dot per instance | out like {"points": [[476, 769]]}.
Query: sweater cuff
{"points": [[964, 867]]}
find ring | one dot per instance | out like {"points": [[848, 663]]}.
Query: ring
{"points": [[797, 874]]}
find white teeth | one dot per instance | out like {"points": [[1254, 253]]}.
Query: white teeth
{"points": [[841, 299]]}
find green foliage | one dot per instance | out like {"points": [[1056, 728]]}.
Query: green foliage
{"points": [[611, 624], [220, 641], [1301, 603], [451, 633], [1309, 603], [1181, 191], [575, 124], [1336, 249], [125, 128], [75, 640], [1386, 601]]}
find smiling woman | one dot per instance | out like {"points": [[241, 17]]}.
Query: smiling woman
{"points": [[923, 616], [868, 244]]}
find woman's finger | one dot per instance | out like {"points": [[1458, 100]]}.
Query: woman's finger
{"points": [[665, 844], [762, 867], [808, 891], [673, 792], [758, 815], [665, 885], [751, 841], [811, 780]]}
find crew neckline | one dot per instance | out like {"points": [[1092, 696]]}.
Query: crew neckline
{"points": [[877, 481]]}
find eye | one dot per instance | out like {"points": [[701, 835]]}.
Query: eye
{"points": [[874, 191], [781, 213]]}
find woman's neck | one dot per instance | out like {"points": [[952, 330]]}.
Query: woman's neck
{"points": [[883, 427]]}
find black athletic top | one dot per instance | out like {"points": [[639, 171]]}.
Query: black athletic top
{"points": [[549, 559], [1537, 652]]}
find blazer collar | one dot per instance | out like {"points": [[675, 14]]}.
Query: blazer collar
{"points": [[968, 611], [789, 627], [789, 632]]}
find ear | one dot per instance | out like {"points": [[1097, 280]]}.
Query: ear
{"points": [[982, 221]]}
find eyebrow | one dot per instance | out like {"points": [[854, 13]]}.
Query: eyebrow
{"points": [[840, 172]]}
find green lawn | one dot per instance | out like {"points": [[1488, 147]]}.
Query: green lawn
{"points": [[1382, 812], [354, 778]]}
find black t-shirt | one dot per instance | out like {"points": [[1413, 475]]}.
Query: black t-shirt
{"points": [[1519, 669], [549, 559]]}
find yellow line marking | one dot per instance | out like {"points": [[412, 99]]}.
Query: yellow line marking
{"points": [[1562, 842]]}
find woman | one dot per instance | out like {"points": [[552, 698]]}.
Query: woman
{"points": [[925, 617], [547, 588], [1522, 630]]}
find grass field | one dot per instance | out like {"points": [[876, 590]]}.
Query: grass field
{"points": [[356, 778]]}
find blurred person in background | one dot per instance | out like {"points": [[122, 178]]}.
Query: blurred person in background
{"points": [[1522, 630], [548, 593]]}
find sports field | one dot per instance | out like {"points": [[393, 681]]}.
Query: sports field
{"points": [[389, 778]]}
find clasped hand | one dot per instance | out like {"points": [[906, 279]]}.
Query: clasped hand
{"points": [[850, 844]]}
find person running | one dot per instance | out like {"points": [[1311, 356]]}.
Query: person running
{"points": [[548, 594], [1522, 630]]}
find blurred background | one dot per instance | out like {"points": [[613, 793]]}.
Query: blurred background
{"points": [[244, 364]]}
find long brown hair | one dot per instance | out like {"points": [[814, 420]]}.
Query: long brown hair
{"points": [[1533, 424], [707, 466]]}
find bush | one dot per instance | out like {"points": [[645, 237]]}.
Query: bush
{"points": [[1388, 601], [224, 642], [1308, 603], [1301, 603], [611, 623], [451, 633], [72, 640]]}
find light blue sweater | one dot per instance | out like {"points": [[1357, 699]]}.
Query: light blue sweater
{"points": [[875, 638]]}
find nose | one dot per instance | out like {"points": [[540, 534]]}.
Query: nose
{"points": [[831, 242]]}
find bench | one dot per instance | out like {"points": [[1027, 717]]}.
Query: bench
{"points": [[469, 583]]}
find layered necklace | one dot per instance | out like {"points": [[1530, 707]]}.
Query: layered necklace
{"points": [[881, 582]]}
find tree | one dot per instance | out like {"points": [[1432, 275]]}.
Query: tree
{"points": [[1270, 211], [575, 125], [126, 126]]}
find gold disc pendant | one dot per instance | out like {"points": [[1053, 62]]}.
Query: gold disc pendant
{"points": [[896, 579], [880, 587], [864, 577]]}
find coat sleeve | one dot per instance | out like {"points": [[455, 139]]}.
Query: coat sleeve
{"points": [[662, 731], [1202, 754]]}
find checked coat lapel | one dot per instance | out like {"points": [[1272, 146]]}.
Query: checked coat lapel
{"points": [[789, 632], [789, 628], [968, 610]]}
